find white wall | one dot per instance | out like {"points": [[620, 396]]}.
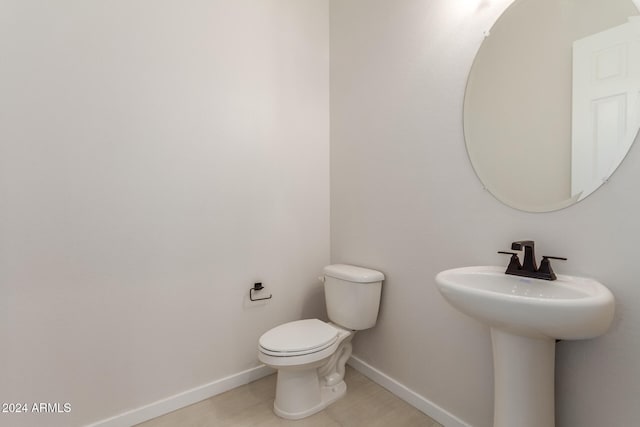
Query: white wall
{"points": [[156, 158], [405, 200]]}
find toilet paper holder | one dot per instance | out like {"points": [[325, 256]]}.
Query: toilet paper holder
{"points": [[257, 287]]}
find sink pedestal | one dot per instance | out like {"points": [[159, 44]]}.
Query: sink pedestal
{"points": [[523, 380]]}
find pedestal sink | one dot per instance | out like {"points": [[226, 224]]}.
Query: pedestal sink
{"points": [[526, 317]]}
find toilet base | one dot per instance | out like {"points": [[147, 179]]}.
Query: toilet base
{"points": [[311, 404], [303, 390]]}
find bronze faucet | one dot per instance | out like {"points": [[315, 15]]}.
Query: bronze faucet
{"points": [[529, 268]]}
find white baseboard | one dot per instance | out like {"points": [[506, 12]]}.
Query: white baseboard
{"points": [[189, 397], [411, 397], [180, 400]]}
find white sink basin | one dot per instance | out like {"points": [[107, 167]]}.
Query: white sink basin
{"points": [[568, 308]]}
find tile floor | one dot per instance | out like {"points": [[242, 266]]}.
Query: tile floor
{"points": [[365, 404]]}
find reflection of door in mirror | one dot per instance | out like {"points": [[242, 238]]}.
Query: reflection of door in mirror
{"points": [[606, 110]]}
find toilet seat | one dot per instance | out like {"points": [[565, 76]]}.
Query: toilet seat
{"points": [[298, 338]]}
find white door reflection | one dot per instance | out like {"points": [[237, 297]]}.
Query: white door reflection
{"points": [[606, 104]]}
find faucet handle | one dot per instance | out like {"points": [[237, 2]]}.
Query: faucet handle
{"points": [[514, 263], [545, 267], [553, 257]]}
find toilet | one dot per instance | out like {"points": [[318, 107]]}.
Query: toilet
{"points": [[310, 355]]}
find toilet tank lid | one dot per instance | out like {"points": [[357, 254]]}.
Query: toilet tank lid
{"points": [[352, 273]]}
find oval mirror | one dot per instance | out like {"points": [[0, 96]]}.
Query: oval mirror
{"points": [[552, 104]]}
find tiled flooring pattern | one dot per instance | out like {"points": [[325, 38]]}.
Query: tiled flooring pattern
{"points": [[366, 404]]}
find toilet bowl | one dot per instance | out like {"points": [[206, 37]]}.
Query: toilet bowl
{"points": [[310, 355], [312, 346]]}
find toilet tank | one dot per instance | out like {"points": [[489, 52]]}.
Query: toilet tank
{"points": [[352, 295]]}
